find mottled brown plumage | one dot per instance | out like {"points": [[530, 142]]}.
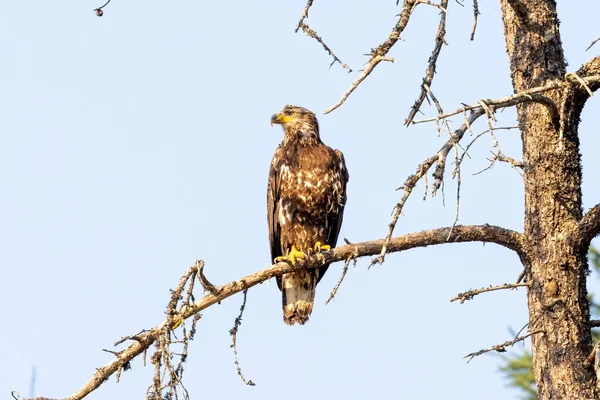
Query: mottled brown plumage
{"points": [[305, 200]]}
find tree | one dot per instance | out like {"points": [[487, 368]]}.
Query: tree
{"points": [[556, 233], [518, 368]]}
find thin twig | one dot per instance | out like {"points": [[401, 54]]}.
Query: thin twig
{"points": [[593, 43], [366, 72], [476, 13], [511, 161], [130, 337], [233, 332], [339, 282], [466, 151], [468, 295], [440, 160], [379, 54], [429, 73], [209, 287], [408, 187], [306, 29], [501, 348], [304, 14]]}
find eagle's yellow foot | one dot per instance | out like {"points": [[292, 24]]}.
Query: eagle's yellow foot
{"points": [[177, 321], [292, 256], [319, 247]]}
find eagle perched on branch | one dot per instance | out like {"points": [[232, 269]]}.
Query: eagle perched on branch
{"points": [[305, 203]]}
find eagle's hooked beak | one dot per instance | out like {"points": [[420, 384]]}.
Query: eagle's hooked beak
{"points": [[280, 118]]}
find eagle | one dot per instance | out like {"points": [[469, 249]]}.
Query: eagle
{"points": [[306, 197]]}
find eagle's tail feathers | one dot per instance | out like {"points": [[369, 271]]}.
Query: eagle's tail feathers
{"points": [[298, 296]]}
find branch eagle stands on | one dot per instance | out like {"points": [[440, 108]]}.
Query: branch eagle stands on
{"points": [[306, 196]]}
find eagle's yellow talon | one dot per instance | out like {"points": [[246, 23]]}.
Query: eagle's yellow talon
{"points": [[178, 321], [291, 257], [319, 247]]}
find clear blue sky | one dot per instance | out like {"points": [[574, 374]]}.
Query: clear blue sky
{"points": [[135, 143]]}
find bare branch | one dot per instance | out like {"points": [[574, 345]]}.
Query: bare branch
{"points": [[366, 72], [578, 89], [233, 332], [339, 282], [379, 54], [514, 99], [440, 159], [593, 43], [511, 161], [209, 287], [466, 150], [408, 187], [304, 14], [594, 323], [589, 226], [429, 73], [476, 13], [306, 29], [468, 295], [442, 154], [501, 348], [470, 233]]}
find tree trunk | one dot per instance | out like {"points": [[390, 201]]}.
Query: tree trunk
{"points": [[555, 264]]}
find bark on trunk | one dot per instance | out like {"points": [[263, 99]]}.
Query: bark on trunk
{"points": [[555, 265]]}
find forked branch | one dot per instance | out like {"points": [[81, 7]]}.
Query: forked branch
{"points": [[530, 95], [379, 54]]}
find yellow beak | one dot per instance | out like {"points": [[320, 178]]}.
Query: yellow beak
{"points": [[280, 118]]}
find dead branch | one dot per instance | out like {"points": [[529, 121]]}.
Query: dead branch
{"points": [[304, 14], [379, 54], [468, 295], [429, 73], [593, 43], [466, 150], [514, 99], [501, 348], [209, 287], [589, 226], [366, 72], [168, 377], [511, 161], [408, 187], [476, 13], [440, 159], [306, 29], [233, 332], [339, 282], [470, 233]]}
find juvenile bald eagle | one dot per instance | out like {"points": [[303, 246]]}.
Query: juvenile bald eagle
{"points": [[305, 203]]}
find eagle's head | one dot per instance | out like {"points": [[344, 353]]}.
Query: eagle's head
{"points": [[297, 122]]}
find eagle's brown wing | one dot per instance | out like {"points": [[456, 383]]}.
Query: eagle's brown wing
{"points": [[335, 217], [272, 212]]}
